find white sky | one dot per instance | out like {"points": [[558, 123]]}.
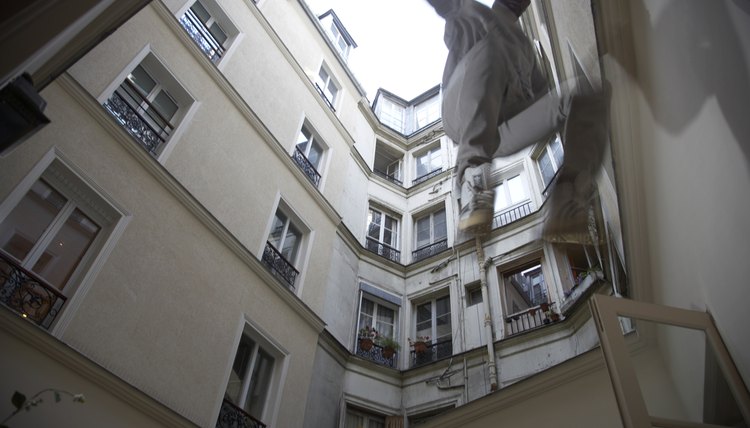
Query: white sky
{"points": [[399, 43]]}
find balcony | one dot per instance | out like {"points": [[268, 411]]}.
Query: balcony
{"points": [[383, 250], [279, 266], [514, 214], [390, 177], [304, 164], [325, 97], [375, 354], [139, 117], [231, 416], [432, 353], [28, 295], [200, 34], [531, 318], [427, 176], [429, 250]]}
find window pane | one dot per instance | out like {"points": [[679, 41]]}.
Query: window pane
{"points": [[424, 319], [373, 228], [440, 230], [557, 151], [25, 224], [200, 11], [354, 421], [165, 105], [390, 231], [259, 382], [546, 168], [291, 242], [385, 321], [443, 306], [66, 250], [315, 154], [219, 34], [423, 165], [279, 221], [142, 80], [303, 138], [239, 369], [423, 231], [501, 198], [515, 190]]}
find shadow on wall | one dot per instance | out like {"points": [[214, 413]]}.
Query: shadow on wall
{"points": [[701, 45]]}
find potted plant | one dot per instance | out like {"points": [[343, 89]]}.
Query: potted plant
{"points": [[389, 346], [367, 336], [420, 344]]}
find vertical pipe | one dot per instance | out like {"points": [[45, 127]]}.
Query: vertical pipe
{"points": [[487, 313]]}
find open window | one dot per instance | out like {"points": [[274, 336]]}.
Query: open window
{"points": [[308, 154], [676, 372]]}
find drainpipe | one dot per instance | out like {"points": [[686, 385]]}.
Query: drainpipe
{"points": [[487, 313]]}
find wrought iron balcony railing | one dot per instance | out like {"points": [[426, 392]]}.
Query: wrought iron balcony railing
{"points": [[389, 177], [278, 265], [139, 117], [201, 35], [325, 97], [231, 416], [375, 354], [27, 294], [432, 353], [429, 250], [304, 164], [531, 318], [427, 176], [515, 214], [383, 250]]}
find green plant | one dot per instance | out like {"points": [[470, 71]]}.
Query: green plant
{"points": [[368, 333], [20, 402], [388, 342]]}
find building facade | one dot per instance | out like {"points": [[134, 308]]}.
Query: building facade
{"points": [[218, 227]]}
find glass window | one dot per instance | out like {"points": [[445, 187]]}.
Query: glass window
{"points": [[360, 419], [550, 160], [431, 229], [382, 228], [510, 192], [434, 320], [379, 316], [524, 288], [309, 146], [327, 86], [250, 379], [285, 237], [428, 162], [208, 27], [427, 112]]}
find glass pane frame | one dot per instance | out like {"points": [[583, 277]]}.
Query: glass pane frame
{"points": [[606, 311]]}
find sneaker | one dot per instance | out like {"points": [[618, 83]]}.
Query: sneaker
{"points": [[477, 200], [573, 193]]}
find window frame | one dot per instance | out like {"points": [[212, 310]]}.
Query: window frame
{"points": [[525, 265], [216, 16], [157, 70], [431, 216], [555, 159], [323, 85], [432, 301], [311, 139], [502, 188], [112, 218], [377, 303], [384, 214], [435, 152]]}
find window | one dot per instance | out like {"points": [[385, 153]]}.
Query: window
{"points": [[149, 104], [382, 235], [209, 27], [249, 384], [550, 160], [510, 192], [338, 40], [427, 112], [524, 288], [327, 87], [359, 419], [473, 294], [377, 314], [391, 114], [308, 155], [282, 247], [428, 164], [433, 320], [431, 235], [388, 163], [48, 240]]}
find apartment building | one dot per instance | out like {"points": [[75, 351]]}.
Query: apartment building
{"points": [[218, 228]]}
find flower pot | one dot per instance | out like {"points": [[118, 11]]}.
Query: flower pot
{"points": [[555, 317], [420, 347], [544, 307], [365, 344], [388, 352]]}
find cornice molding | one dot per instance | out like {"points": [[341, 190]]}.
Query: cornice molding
{"points": [[171, 184], [31, 335]]}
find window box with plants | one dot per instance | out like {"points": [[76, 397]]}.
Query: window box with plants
{"points": [[367, 337], [388, 346]]}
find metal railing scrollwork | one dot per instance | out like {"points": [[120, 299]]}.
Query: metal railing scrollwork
{"points": [[429, 250], [197, 31], [278, 265], [27, 294], [383, 250], [304, 164], [231, 416]]}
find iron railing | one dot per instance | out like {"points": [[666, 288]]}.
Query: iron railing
{"points": [[325, 97], [427, 176], [389, 177], [429, 250], [201, 35], [375, 354], [278, 265], [433, 353], [383, 250], [139, 117], [515, 214], [27, 294], [231, 416], [308, 168], [531, 318]]}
